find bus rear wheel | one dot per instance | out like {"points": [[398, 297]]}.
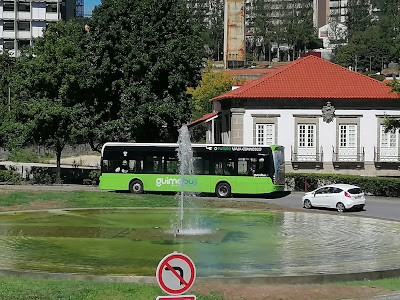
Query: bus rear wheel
{"points": [[223, 190], [136, 187]]}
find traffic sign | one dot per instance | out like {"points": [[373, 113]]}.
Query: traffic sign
{"points": [[176, 273], [180, 297]]}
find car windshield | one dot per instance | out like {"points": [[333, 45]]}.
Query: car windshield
{"points": [[355, 191]]}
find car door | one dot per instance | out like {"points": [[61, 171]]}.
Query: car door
{"points": [[319, 197], [330, 197]]}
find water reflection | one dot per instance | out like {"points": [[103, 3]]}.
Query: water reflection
{"points": [[235, 243]]}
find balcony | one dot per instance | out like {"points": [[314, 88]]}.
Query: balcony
{"points": [[307, 158], [387, 158], [348, 157]]}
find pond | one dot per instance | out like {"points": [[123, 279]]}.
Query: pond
{"points": [[224, 242]]}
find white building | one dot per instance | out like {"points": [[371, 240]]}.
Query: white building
{"points": [[21, 21], [328, 118]]}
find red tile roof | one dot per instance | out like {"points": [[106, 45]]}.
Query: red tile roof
{"points": [[202, 119], [311, 77]]}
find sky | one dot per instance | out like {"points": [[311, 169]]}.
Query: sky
{"points": [[89, 5]]}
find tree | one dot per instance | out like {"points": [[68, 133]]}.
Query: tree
{"points": [[358, 16], [379, 43], [7, 65], [49, 89], [144, 55], [393, 124], [213, 83]]}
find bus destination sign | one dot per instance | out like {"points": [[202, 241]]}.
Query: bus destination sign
{"points": [[233, 148]]}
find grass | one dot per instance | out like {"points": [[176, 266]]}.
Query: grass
{"points": [[390, 284], [45, 289], [84, 199]]}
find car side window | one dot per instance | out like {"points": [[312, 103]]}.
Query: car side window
{"points": [[321, 191], [336, 190]]}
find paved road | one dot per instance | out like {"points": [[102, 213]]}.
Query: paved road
{"points": [[377, 207]]}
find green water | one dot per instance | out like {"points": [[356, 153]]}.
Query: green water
{"points": [[239, 243]]}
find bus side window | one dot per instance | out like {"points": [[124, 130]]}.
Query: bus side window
{"points": [[247, 166], [105, 168], [153, 164], [171, 165], [136, 166], [201, 165]]}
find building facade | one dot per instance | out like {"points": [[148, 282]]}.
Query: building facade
{"points": [[21, 21], [329, 119]]}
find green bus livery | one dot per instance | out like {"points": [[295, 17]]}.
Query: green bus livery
{"points": [[220, 169]]}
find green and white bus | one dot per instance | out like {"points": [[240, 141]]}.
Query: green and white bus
{"points": [[220, 169]]}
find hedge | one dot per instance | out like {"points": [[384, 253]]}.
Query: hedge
{"points": [[10, 177], [377, 186]]}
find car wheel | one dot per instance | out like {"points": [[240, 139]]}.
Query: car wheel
{"points": [[307, 204], [223, 190], [136, 187], [340, 207]]}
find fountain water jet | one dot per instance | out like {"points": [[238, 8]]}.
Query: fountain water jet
{"points": [[185, 156]]}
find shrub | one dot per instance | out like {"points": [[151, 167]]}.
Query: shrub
{"points": [[11, 177], [42, 176], [377, 186], [23, 155], [94, 177]]}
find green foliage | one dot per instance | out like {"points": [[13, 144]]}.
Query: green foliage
{"points": [[23, 155], [213, 83], [282, 22], [144, 56], [377, 186], [393, 124], [50, 89], [373, 41], [7, 67], [10, 177], [210, 15], [94, 177], [42, 176]]}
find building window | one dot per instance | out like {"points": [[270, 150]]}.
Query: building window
{"points": [[8, 45], [306, 135], [347, 135], [51, 8], [389, 139], [8, 6], [23, 43], [8, 25], [265, 134], [24, 26], [24, 7]]}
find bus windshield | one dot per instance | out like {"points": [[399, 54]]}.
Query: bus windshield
{"points": [[279, 165]]}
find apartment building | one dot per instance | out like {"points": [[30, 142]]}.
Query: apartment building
{"points": [[21, 21]]}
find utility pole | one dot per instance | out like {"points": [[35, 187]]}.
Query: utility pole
{"points": [[9, 98], [356, 64]]}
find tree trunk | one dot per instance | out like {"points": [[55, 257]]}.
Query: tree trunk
{"points": [[58, 169]]}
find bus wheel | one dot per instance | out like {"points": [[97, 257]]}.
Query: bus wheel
{"points": [[223, 190], [136, 187]]}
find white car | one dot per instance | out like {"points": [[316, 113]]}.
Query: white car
{"points": [[339, 196]]}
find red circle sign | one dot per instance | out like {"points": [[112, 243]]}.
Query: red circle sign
{"points": [[175, 273]]}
